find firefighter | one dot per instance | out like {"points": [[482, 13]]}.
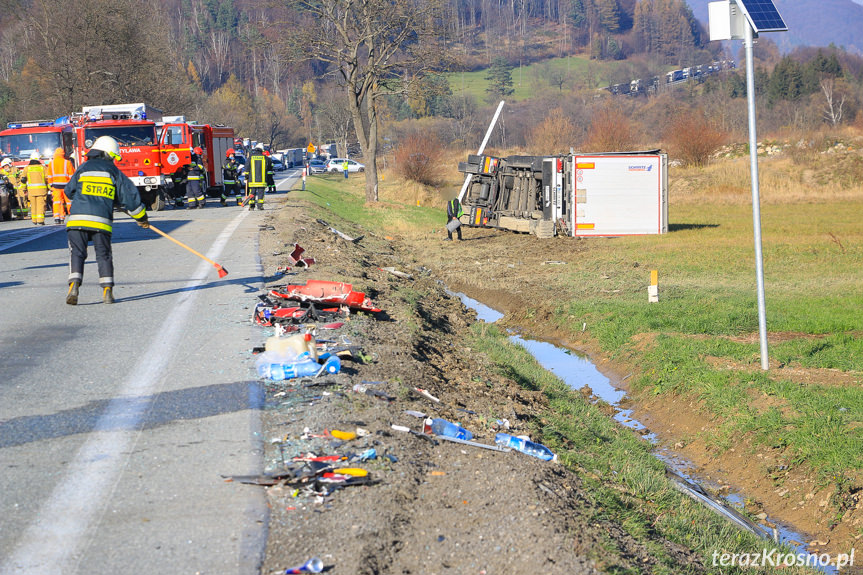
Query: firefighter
{"points": [[95, 188], [37, 189], [6, 192], [194, 187], [229, 176], [60, 169], [256, 177], [453, 213], [345, 167], [179, 182], [13, 186], [271, 175]]}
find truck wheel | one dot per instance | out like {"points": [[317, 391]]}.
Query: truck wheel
{"points": [[544, 229]]}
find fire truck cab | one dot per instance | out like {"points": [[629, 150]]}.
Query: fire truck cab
{"points": [[20, 139], [177, 139], [134, 128]]}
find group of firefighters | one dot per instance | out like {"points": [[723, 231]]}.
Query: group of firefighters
{"points": [[27, 188], [85, 199]]}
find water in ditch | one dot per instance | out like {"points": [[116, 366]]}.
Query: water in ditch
{"points": [[577, 371]]}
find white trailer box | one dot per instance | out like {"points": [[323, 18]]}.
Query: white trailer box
{"points": [[619, 195]]}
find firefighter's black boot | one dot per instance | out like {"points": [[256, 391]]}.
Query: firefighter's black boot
{"points": [[72, 296], [107, 294]]}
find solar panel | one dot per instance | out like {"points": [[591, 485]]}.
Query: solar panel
{"points": [[763, 15]]}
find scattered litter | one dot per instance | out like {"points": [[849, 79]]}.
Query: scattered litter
{"points": [[414, 413], [343, 435], [525, 446], [426, 394], [553, 263], [376, 393], [342, 235], [313, 565], [473, 443], [326, 292], [397, 273]]}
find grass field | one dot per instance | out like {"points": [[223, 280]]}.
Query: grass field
{"points": [[700, 342]]}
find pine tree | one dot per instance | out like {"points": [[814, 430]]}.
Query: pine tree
{"points": [[500, 79]]}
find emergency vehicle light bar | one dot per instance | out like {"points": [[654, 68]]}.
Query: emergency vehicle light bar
{"points": [[38, 124]]}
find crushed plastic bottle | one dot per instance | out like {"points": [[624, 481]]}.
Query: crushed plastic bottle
{"points": [[306, 368], [440, 426], [525, 446]]}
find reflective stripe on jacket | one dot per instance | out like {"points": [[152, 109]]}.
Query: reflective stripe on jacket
{"points": [[37, 182], [257, 171], [59, 171], [94, 189]]}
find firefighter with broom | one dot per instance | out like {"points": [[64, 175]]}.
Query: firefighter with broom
{"points": [[94, 189]]}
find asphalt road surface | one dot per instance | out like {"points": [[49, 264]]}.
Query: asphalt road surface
{"points": [[117, 421]]}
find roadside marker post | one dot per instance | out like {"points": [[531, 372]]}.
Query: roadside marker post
{"points": [[653, 288]]}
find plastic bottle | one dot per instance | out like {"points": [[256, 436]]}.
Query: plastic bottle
{"points": [[307, 368], [293, 346], [525, 446], [440, 426]]}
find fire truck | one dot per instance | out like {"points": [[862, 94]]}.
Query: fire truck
{"points": [[134, 128], [20, 139], [178, 138]]}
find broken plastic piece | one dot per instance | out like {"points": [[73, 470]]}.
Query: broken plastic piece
{"points": [[424, 393], [313, 565]]}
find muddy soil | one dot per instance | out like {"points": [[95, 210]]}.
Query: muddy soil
{"points": [[791, 496], [433, 506]]}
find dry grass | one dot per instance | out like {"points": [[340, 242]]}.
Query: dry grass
{"points": [[802, 176]]}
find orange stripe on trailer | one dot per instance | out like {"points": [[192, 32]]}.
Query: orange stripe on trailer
{"points": [[585, 226], [585, 165]]}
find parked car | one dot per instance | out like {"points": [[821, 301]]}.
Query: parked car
{"points": [[317, 167], [337, 165]]}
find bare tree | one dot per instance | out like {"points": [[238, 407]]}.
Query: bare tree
{"points": [[372, 47], [832, 109], [336, 120]]}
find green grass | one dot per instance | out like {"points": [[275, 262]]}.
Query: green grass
{"points": [[531, 78], [607, 458], [346, 200], [707, 317]]}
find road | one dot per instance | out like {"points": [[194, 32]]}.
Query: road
{"points": [[116, 421]]}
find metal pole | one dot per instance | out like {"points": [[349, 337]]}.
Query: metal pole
{"points": [[481, 148], [756, 202]]}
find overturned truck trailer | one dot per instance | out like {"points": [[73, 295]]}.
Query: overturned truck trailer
{"points": [[608, 194]]}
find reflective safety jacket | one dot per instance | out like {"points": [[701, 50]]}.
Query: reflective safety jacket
{"points": [[229, 173], [257, 170], [13, 176], [59, 170], [196, 170], [94, 189], [37, 181]]}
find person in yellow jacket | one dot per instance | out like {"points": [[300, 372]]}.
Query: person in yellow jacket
{"points": [[59, 170], [37, 189], [13, 177]]}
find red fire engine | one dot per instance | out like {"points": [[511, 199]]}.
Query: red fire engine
{"points": [[20, 139], [134, 128], [177, 140]]}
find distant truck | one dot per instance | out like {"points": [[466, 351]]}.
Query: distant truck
{"points": [[578, 195]]}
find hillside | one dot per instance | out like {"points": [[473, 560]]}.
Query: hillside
{"points": [[812, 23]]}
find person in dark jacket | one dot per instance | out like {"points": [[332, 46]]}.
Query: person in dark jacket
{"points": [[96, 187], [229, 176], [195, 194], [453, 212]]}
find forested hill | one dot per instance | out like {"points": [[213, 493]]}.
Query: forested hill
{"points": [[812, 23]]}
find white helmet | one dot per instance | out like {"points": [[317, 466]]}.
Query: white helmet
{"points": [[108, 145], [6, 162], [260, 146], [34, 155]]}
